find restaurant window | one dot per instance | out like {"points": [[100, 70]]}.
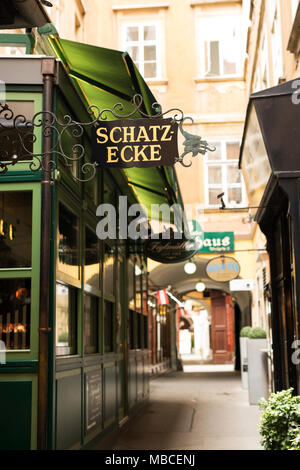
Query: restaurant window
{"points": [[223, 175], [220, 46], [108, 270], [131, 285], [138, 271], [66, 320], [108, 318], [145, 320], [143, 42], [132, 317], [90, 324], [92, 259], [139, 330], [15, 229], [68, 242], [15, 302]]}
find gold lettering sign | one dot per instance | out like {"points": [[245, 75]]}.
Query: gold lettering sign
{"points": [[143, 143]]}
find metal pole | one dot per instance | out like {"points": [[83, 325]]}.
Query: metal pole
{"points": [[48, 70]]}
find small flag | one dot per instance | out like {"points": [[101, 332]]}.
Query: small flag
{"points": [[162, 297]]}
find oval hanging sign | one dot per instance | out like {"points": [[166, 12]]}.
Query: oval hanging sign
{"points": [[171, 251], [223, 269]]}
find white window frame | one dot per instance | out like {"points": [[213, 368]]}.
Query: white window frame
{"points": [[223, 163], [202, 40], [141, 43]]}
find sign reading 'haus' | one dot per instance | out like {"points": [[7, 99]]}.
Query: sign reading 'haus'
{"points": [[141, 143]]}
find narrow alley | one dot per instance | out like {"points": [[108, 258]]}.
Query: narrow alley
{"points": [[202, 408]]}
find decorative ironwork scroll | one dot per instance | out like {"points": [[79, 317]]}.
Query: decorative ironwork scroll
{"points": [[18, 136]]}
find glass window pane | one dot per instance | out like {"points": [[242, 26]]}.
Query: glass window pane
{"points": [[232, 150], [233, 174], [132, 316], [215, 175], [92, 259], [108, 270], [217, 154], [90, 324], [149, 33], [145, 332], [108, 326], [234, 195], [133, 51], [66, 320], [213, 58], [15, 229], [150, 53], [130, 284], [150, 70], [212, 196], [139, 330], [68, 239], [138, 286], [132, 33], [15, 313]]}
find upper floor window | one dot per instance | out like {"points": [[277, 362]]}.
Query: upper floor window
{"points": [[220, 46], [142, 41], [276, 37], [223, 175]]}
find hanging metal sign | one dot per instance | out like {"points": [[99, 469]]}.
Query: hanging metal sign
{"points": [[141, 143], [223, 269], [172, 250], [150, 140]]}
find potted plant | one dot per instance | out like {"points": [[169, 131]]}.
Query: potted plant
{"points": [[280, 421], [244, 334], [257, 365]]}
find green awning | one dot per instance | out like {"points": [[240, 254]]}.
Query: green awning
{"points": [[105, 77]]}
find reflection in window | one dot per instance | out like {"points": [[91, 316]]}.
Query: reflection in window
{"points": [[16, 136], [145, 332], [132, 316], [108, 269], [68, 248], [15, 229], [130, 283], [66, 320], [138, 286], [90, 324], [108, 318], [15, 313], [92, 259]]}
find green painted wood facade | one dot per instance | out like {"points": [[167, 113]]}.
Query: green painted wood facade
{"points": [[118, 360]]}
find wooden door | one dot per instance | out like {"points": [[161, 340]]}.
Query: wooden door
{"points": [[221, 328]]}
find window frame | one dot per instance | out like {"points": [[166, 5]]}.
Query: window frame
{"points": [[201, 18], [141, 43], [32, 272], [224, 185]]}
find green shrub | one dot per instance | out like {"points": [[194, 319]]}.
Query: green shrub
{"points": [[280, 421], [257, 333], [296, 442], [244, 333]]}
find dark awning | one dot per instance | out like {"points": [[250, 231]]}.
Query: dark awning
{"points": [[16, 14]]}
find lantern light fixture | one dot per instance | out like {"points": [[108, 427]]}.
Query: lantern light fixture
{"points": [[190, 267], [200, 287]]}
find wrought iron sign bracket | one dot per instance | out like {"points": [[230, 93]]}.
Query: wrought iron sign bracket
{"points": [[17, 134]]}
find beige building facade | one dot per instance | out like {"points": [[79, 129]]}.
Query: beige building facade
{"points": [[204, 57]]}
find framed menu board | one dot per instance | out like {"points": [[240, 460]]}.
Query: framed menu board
{"points": [[93, 399]]}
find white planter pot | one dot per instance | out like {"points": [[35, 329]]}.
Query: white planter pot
{"points": [[257, 370], [244, 361]]}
